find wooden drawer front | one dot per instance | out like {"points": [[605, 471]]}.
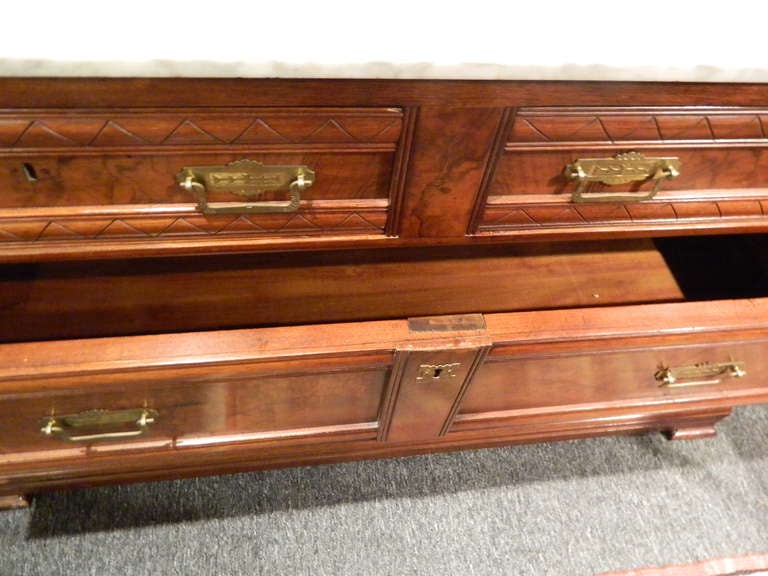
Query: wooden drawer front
{"points": [[87, 176], [509, 386], [279, 402], [723, 155]]}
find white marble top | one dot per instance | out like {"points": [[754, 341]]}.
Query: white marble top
{"points": [[652, 40]]}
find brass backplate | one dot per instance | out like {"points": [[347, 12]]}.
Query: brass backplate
{"points": [[247, 177]]}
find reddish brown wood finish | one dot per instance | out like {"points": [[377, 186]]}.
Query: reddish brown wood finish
{"points": [[238, 434], [451, 149], [427, 162], [109, 175], [46, 301], [724, 165], [426, 388], [406, 163]]}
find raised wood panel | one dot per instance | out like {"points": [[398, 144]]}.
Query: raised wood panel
{"points": [[275, 400], [724, 167], [125, 180], [510, 383], [426, 388], [75, 181]]}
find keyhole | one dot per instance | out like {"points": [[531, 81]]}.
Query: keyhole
{"points": [[29, 172], [437, 372]]}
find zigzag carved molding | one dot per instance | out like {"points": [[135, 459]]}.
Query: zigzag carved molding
{"points": [[30, 229], [547, 126], [193, 128], [550, 215]]}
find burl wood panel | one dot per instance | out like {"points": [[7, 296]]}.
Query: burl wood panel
{"points": [[451, 150], [723, 154], [109, 175], [46, 301]]}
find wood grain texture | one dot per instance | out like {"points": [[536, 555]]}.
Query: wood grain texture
{"points": [[567, 126], [261, 400], [108, 175], [146, 296], [423, 402], [527, 382], [451, 150], [427, 147], [324, 366], [229, 360], [220, 92], [724, 166]]}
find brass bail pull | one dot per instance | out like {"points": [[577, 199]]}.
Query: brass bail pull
{"points": [[246, 178], [621, 169], [84, 426], [704, 374]]}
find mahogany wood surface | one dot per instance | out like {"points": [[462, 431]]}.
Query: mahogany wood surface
{"points": [[420, 186], [722, 153], [400, 163], [47, 301], [231, 394]]}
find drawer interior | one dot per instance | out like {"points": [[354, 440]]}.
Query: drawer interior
{"points": [[44, 301]]}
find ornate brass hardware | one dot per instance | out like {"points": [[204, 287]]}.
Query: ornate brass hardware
{"points": [[65, 427], [246, 178], [621, 169], [703, 374], [437, 371]]}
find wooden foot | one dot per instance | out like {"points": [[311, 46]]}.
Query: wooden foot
{"points": [[13, 501], [701, 426]]}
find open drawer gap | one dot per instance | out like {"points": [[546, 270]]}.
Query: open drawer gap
{"points": [[48, 301]]}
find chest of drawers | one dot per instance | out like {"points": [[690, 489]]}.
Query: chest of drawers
{"points": [[204, 276]]}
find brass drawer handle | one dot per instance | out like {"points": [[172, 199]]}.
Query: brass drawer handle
{"points": [[621, 169], [246, 178], [703, 374], [65, 427]]}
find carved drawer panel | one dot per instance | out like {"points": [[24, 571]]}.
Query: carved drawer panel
{"points": [[577, 170], [85, 177]]}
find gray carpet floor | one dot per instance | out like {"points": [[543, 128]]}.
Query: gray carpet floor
{"points": [[567, 508]]}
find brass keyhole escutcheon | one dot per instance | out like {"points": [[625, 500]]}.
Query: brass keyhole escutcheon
{"points": [[437, 371]]}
